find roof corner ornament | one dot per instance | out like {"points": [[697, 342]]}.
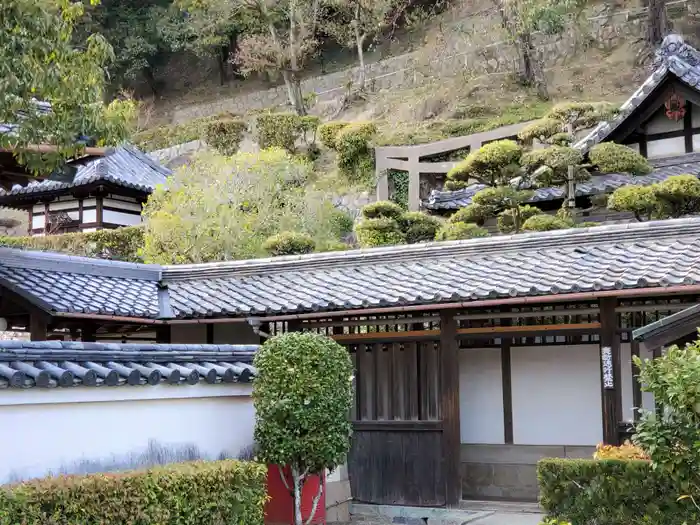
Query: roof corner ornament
{"points": [[675, 107]]}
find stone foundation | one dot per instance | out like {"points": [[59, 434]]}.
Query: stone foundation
{"points": [[338, 496], [508, 472]]}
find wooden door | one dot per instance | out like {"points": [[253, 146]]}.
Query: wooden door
{"points": [[396, 457]]}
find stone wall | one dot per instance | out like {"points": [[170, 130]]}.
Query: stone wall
{"points": [[457, 52], [509, 472]]}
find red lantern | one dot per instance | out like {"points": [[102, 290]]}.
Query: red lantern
{"points": [[675, 107]]}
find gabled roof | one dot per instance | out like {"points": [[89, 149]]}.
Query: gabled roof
{"points": [[125, 166], [670, 328], [674, 58], [604, 258], [49, 364], [598, 184]]}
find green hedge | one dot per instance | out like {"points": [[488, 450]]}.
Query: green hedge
{"points": [[610, 492], [123, 244], [224, 492]]}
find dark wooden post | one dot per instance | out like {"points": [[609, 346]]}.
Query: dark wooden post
{"points": [[507, 391], [449, 407], [163, 334], [88, 333], [636, 385], [610, 371], [38, 326]]}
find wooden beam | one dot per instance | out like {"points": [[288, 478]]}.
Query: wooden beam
{"points": [[163, 334], [449, 407], [88, 332], [210, 334], [688, 127], [610, 371], [530, 328], [38, 326]]}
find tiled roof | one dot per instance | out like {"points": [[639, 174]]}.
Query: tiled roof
{"points": [[663, 169], [64, 364], [690, 315], [125, 166], [614, 257], [674, 57]]}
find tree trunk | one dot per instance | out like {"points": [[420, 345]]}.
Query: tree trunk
{"points": [[232, 48], [296, 98], [223, 64], [151, 80], [360, 39], [297, 481], [656, 21]]}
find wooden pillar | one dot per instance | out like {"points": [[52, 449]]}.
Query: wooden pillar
{"points": [[506, 377], [88, 333], [38, 326], [636, 385], [163, 334], [294, 325], [610, 371], [382, 177], [449, 407], [210, 333]]}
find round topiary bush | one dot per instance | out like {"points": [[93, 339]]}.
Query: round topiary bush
{"points": [[458, 231], [610, 157], [493, 163], [639, 200], [474, 213], [541, 129], [329, 131], [419, 227], [506, 219], [543, 223], [379, 232], [225, 135], [355, 154], [289, 243], [382, 209], [278, 130], [557, 158]]}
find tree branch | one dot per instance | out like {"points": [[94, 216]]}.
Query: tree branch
{"points": [[284, 480], [317, 498]]}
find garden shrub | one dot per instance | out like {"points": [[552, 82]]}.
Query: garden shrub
{"points": [[493, 163], [611, 492], [557, 158], [610, 157], [625, 451], [379, 232], [506, 219], [475, 213], [355, 153], [458, 231], [166, 136], [329, 131], [419, 227], [544, 222], [675, 197], [225, 135], [289, 243], [198, 492], [122, 244], [382, 209], [398, 187], [541, 129], [341, 222], [282, 130]]}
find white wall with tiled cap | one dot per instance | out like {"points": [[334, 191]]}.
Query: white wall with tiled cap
{"points": [[100, 428]]}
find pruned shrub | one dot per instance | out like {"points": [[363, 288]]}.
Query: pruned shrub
{"points": [[458, 231], [355, 154], [289, 243], [610, 157], [541, 130], [678, 196], [329, 131], [556, 158], [507, 218], [419, 227], [543, 223], [494, 163], [611, 492], [583, 114], [379, 232], [225, 136], [166, 136], [625, 451], [214, 492], [121, 244], [382, 209], [474, 213], [282, 130], [639, 200]]}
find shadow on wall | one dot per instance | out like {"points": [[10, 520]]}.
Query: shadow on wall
{"points": [[153, 455]]}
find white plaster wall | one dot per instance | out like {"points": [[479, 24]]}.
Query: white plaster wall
{"points": [[481, 396], [660, 123], [665, 147], [121, 204], [121, 218], [626, 382], [556, 395], [53, 431], [89, 216]]}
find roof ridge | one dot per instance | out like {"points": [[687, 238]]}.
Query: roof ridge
{"points": [[405, 253]]}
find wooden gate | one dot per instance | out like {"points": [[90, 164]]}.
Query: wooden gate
{"points": [[397, 455]]}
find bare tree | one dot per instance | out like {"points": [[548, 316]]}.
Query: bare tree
{"points": [[291, 39], [656, 21]]}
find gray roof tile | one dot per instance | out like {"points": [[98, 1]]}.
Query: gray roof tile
{"points": [[65, 364], [125, 166]]}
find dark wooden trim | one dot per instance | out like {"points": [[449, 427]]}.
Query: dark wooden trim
{"points": [[507, 387], [210, 334], [652, 137], [396, 425], [163, 334], [99, 215], [87, 332], [80, 211], [449, 406], [688, 126], [643, 112], [31, 220], [38, 326], [413, 335], [636, 386], [643, 149], [611, 398]]}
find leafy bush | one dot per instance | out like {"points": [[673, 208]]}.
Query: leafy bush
{"points": [[675, 197], [302, 397], [610, 157], [382, 209], [122, 244], [419, 227], [639, 200], [507, 218], [625, 451], [474, 213], [543, 223], [541, 130], [355, 154], [457, 231], [379, 232], [341, 222], [282, 130], [556, 158], [166, 136], [225, 135], [207, 492], [329, 131], [289, 243], [610, 492], [398, 184], [494, 163]]}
